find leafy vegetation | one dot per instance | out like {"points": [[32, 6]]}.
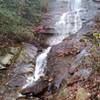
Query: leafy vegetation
{"points": [[18, 16], [94, 58]]}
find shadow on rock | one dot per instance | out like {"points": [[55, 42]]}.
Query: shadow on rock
{"points": [[36, 89]]}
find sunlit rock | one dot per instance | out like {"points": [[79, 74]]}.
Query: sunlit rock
{"points": [[6, 59], [9, 56]]}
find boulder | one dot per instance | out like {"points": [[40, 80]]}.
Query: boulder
{"points": [[36, 89], [23, 66]]}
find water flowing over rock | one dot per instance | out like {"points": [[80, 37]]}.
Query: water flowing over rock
{"points": [[65, 69], [60, 59], [20, 68], [24, 65], [64, 54], [41, 64]]}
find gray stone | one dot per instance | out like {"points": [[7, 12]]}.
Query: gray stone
{"points": [[23, 66], [6, 59], [17, 81], [2, 67], [85, 73]]}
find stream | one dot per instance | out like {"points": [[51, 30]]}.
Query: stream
{"points": [[63, 28], [68, 21]]}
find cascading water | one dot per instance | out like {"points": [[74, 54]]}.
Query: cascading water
{"points": [[69, 23], [75, 4], [41, 64]]}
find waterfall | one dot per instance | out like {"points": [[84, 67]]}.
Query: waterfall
{"points": [[41, 62], [75, 4], [63, 28], [69, 23]]}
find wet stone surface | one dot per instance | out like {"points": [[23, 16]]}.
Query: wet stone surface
{"points": [[18, 64], [23, 65]]}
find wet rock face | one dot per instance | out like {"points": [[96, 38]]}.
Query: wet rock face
{"points": [[24, 65], [58, 66], [60, 59], [36, 89], [17, 64], [67, 47], [28, 53]]}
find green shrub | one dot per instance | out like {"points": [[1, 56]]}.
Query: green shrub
{"points": [[18, 16]]}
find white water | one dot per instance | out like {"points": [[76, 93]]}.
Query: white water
{"points": [[75, 4], [69, 23], [41, 64]]}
